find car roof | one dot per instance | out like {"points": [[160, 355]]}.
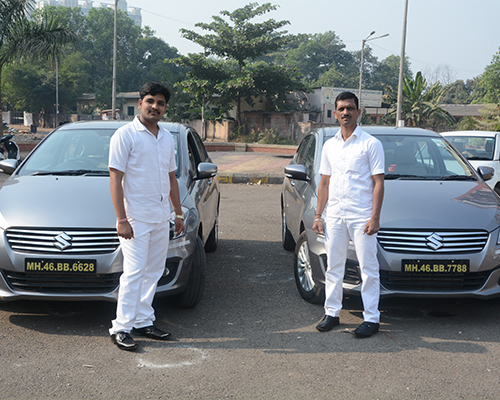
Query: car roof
{"points": [[385, 130], [471, 133], [173, 127]]}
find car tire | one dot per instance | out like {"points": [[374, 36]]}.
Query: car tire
{"points": [[213, 237], [190, 297], [286, 235], [302, 269]]}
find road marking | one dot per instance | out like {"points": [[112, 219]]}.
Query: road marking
{"points": [[197, 356]]}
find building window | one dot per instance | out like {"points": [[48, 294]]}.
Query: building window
{"points": [[328, 113], [130, 110]]}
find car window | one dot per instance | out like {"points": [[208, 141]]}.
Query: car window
{"points": [[200, 147], [474, 147], [302, 150], [63, 150], [421, 157]]}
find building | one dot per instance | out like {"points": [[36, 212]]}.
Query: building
{"points": [[85, 5]]}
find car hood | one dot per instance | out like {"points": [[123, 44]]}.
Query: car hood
{"points": [[58, 201], [439, 204]]}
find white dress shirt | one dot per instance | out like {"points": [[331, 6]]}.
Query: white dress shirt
{"points": [[146, 161], [351, 165]]}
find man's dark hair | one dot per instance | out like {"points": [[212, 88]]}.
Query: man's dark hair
{"points": [[347, 96], [154, 88]]}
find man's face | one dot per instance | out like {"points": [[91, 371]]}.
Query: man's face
{"points": [[347, 113], [152, 107]]}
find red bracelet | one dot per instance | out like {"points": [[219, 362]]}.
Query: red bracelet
{"points": [[121, 221]]}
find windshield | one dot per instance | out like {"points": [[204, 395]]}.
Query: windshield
{"points": [[474, 147], [75, 152], [421, 157]]}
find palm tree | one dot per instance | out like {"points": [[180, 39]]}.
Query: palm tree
{"points": [[22, 39], [420, 104]]}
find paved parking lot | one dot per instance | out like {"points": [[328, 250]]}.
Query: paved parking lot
{"points": [[252, 336]]}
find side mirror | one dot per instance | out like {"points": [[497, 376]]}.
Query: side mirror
{"points": [[206, 170], [296, 171], [485, 172], [9, 165]]}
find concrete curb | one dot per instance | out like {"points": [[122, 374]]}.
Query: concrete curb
{"points": [[255, 179]]}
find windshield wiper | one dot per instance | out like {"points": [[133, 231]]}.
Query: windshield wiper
{"points": [[72, 172], [404, 176], [478, 158], [456, 178]]}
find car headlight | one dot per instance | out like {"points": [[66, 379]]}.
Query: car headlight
{"points": [[190, 218]]}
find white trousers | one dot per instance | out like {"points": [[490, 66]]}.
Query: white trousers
{"points": [[144, 259], [338, 232]]}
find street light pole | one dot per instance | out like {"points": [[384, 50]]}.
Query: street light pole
{"points": [[113, 95], [399, 121], [367, 39]]}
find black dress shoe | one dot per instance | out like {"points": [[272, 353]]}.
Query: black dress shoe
{"points": [[328, 323], [151, 332], [124, 341], [366, 329]]}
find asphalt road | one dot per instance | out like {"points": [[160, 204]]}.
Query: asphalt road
{"points": [[252, 336]]}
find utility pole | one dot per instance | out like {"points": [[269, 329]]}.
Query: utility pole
{"points": [[399, 121], [113, 95]]}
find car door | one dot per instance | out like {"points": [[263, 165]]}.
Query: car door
{"points": [[296, 191], [204, 191]]}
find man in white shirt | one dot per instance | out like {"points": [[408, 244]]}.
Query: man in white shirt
{"points": [[142, 179], [352, 182]]}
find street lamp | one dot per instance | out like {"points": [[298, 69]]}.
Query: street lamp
{"points": [[367, 39]]}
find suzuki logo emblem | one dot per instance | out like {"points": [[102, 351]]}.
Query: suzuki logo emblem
{"points": [[434, 241], [62, 241]]}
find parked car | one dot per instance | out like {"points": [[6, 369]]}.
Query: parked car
{"points": [[59, 238], [440, 222], [479, 148]]}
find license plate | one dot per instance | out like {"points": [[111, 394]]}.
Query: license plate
{"points": [[435, 266], [58, 266]]}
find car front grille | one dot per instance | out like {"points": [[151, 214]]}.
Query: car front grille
{"points": [[408, 282], [61, 284], [432, 242], [62, 241]]}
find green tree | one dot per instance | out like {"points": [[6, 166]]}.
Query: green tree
{"points": [[386, 73], [225, 67], [490, 80], [23, 39], [420, 103], [314, 55]]}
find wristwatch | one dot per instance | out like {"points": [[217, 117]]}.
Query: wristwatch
{"points": [[180, 217]]}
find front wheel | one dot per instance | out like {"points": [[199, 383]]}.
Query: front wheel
{"points": [[302, 269], [196, 284]]}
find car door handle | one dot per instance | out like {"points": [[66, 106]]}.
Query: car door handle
{"points": [[292, 183]]}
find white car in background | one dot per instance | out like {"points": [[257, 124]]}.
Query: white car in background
{"points": [[481, 148]]}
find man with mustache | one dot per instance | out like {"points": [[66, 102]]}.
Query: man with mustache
{"points": [[352, 182], [142, 178]]}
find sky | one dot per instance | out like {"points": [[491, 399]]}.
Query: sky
{"points": [[459, 37]]}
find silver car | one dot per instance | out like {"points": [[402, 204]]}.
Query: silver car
{"points": [[440, 221], [479, 148], [58, 224]]}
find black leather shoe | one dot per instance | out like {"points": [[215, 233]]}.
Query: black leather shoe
{"points": [[124, 341], [151, 332], [366, 329], [328, 323]]}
